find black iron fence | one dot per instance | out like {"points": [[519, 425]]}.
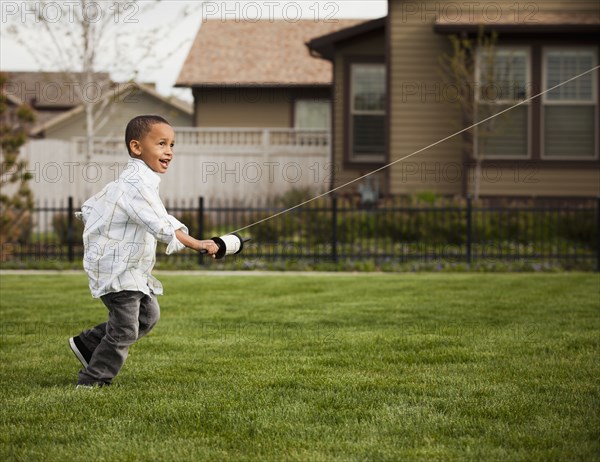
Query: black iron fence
{"points": [[335, 230]]}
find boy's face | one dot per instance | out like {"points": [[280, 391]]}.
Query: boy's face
{"points": [[155, 148]]}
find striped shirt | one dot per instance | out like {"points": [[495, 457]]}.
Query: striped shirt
{"points": [[122, 225]]}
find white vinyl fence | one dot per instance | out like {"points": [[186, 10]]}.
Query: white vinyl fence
{"points": [[226, 166]]}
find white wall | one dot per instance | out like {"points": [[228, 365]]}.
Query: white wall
{"points": [[236, 167]]}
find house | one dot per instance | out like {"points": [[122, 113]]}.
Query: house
{"points": [[50, 94], [259, 74], [392, 100], [56, 98]]}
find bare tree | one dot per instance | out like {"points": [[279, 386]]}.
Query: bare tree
{"points": [[16, 200], [83, 37], [459, 69]]}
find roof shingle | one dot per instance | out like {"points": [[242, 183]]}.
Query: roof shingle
{"points": [[48, 90], [258, 53]]}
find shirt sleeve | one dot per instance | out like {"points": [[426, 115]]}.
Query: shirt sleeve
{"points": [[175, 245], [93, 206], [143, 205]]}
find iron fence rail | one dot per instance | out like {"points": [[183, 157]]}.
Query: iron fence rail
{"points": [[332, 230]]}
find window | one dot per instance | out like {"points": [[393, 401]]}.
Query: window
{"points": [[312, 114], [502, 78], [570, 114], [367, 112]]}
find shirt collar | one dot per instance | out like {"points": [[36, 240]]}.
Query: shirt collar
{"points": [[148, 175]]}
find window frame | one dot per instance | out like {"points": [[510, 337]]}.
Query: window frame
{"points": [[508, 102], [544, 102], [362, 161], [326, 101]]}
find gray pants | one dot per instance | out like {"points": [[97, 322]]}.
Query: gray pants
{"points": [[131, 315]]}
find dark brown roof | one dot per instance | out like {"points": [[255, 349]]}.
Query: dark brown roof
{"points": [[258, 53], [55, 96], [11, 99], [118, 91], [325, 44], [47, 90]]}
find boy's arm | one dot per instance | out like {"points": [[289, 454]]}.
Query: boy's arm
{"points": [[144, 207], [181, 234], [196, 244]]}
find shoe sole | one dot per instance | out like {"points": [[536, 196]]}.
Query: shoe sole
{"points": [[86, 387], [77, 353]]}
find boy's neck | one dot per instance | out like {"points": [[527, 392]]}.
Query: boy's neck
{"points": [[145, 169]]}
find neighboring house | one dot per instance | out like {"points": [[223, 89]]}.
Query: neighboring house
{"points": [[393, 100], [60, 114], [12, 101], [259, 74], [116, 108], [52, 93]]}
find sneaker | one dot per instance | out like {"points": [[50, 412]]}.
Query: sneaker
{"points": [[91, 385], [81, 352]]}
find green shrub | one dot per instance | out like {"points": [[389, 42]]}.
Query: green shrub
{"points": [[578, 227], [444, 227], [190, 219], [276, 229], [294, 197], [424, 219], [60, 224]]}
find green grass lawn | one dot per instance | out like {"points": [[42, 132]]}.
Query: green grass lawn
{"points": [[475, 367]]}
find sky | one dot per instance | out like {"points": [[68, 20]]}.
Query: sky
{"points": [[176, 31]]}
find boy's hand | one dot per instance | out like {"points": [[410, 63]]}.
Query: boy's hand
{"points": [[210, 247]]}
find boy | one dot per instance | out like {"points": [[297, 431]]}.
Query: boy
{"points": [[122, 225]]}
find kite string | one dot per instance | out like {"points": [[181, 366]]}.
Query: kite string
{"points": [[416, 152]]}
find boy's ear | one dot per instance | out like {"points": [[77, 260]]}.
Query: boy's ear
{"points": [[135, 147]]}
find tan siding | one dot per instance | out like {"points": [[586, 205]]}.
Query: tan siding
{"points": [[369, 44], [530, 181], [421, 112], [252, 107], [243, 107], [426, 11]]}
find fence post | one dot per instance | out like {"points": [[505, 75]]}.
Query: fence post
{"points": [[70, 231], [266, 141], [598, 234], [200, 226], [469, 230], [334, 253]]}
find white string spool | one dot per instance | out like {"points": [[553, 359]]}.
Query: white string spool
{"points": [[230, 244]]}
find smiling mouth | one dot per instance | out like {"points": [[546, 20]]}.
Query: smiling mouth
{"points": [[164, 163]]}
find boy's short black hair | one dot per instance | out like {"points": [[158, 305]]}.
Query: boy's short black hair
{"points": [[139, 126]]}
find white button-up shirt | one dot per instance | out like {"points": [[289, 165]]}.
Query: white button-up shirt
{"points": [[122, 225]]}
